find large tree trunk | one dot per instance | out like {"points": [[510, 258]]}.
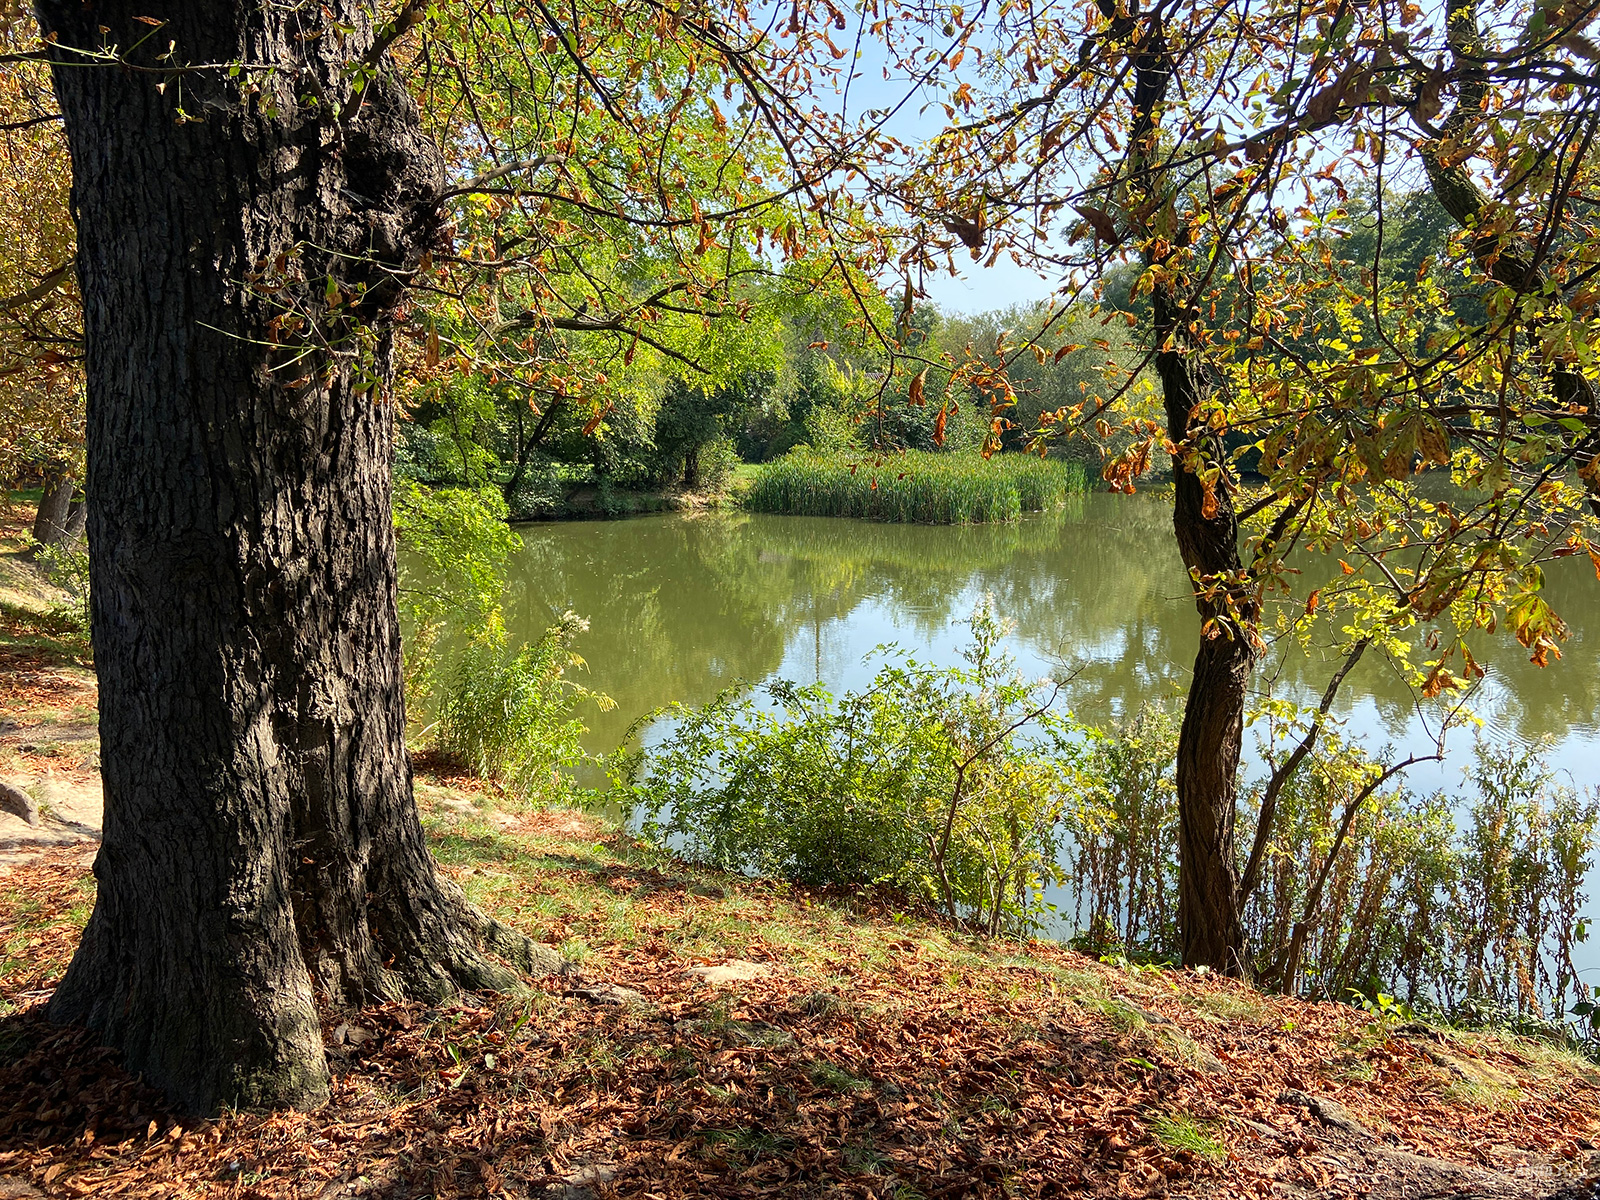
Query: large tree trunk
{"points": [[1212, 733], [261, 841], [54, 518]]}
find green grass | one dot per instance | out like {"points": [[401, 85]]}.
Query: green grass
{"points": [[1179, 1132], [913, 487]]}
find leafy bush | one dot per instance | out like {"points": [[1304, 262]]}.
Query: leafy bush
{"points": [[454, 573], [935, 489], [952, 785], [1528, 846], [718, 459], [537, 489], [509, 714], [67, 566], [1382, 916]]}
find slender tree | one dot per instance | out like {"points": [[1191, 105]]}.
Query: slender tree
{"points": [[1210, 148]]}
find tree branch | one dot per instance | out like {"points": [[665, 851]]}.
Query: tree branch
{"points": [[1286, 769], [407, 19], [43, 288], [478, 182]]}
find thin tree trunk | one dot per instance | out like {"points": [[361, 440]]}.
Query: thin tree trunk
{"points": [[261, 840], [1210, 931], [1209, 740]]}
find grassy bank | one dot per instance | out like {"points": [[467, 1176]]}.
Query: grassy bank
{"points": [[844, 1049], [591, 501], [916, 487]]}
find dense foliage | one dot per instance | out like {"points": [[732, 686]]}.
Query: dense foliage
{"points": [[934, 489], [964, 788], [510, 713], [954, 785], [41, 377]]}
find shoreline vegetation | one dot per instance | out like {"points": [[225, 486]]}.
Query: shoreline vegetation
{"points": [[744, 1031], [906, 486], [913, 486]]}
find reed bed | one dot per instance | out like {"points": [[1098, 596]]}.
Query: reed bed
{"points": [[914, 487]]}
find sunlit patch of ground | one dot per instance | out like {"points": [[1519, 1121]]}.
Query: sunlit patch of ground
{"points": [[855, 1051]]}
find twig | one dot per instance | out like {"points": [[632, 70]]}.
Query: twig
{"points": [[1285, 770]]}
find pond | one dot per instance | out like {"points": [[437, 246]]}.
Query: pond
{"points": [[684, 605]]}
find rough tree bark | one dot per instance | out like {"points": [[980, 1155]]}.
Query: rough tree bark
{"points": [[240, 257], [1212, 733], [53, 521], [1207, 528]]}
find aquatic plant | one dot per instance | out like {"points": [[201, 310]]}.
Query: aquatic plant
{"points": [[914, 486]]}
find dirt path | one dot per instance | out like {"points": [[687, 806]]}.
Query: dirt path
{"points": [[70, 815], [49, 749]]}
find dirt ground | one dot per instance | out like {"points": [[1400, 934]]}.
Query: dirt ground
{"points": [[49, 740]]}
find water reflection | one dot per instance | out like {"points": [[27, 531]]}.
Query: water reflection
{"points": [[685, 605]]}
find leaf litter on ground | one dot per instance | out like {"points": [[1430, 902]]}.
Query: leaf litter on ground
{"points": [[883, 1056]]}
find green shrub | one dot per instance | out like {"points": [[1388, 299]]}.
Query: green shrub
{"points": [[914, 486], [453, 573], [718, 459], [66, 564], [537, 490], [953, 785], [510, 714], [1528, 846], [1385, 916]]}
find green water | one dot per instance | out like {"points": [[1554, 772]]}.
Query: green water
{"points": [[684, 605]]}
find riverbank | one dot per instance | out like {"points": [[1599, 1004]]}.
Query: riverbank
{"points": [[591, 502], [722, 1036]]}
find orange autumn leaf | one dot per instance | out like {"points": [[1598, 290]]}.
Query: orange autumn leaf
{"points": [[915, 397]]}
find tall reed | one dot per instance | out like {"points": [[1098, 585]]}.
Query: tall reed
{"points": [[914, 486]]}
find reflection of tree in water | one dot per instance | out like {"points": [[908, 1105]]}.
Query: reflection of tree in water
{"points": [[678, 608], [683, 606], [1530, 701]]}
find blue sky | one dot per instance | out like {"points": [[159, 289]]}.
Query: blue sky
{"points": [[975, 288], [980, 289]]}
